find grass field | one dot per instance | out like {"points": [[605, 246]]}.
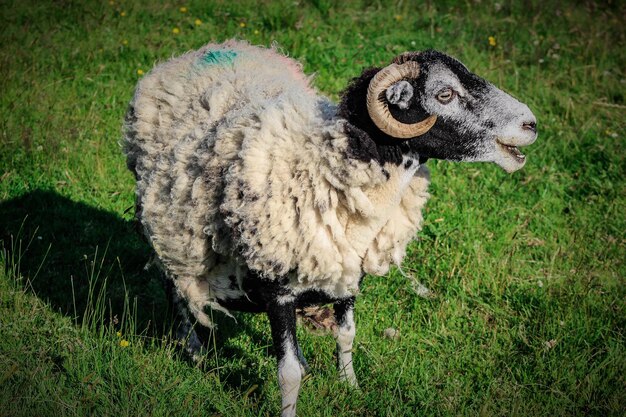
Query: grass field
{"points": [[526, 315]]}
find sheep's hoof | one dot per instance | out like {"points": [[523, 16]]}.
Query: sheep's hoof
{"points": [[350, 380], [192, 347], [197, 357]]}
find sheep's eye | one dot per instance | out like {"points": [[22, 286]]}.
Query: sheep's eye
{"points": [[445, 96]]}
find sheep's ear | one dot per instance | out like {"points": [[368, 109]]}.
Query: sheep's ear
{"points": [[400, 94]]}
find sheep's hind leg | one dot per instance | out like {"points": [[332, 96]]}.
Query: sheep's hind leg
{"points": [[185, 332], [282, 316], [344, 335]]}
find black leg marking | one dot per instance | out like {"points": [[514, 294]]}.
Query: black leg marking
{"points": [[344, 316], [282, 316]]}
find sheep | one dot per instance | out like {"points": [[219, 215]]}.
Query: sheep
{"points": [[259, 194]]}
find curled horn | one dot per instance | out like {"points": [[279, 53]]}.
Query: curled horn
{"points": [[401, 68]]}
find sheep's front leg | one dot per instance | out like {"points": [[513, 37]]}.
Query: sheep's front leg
{"points": [[344, 317], [282, 316]]}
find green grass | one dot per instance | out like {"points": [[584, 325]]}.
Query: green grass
{"points": [[527, 274]]}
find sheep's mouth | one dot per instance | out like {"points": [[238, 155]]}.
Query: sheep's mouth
{"points": [[514, 152]]}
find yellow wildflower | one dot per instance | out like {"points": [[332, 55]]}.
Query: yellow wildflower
{"points": [[175, 31], [119, 334], [124, 343], [139, 72], [198, 22], [242, 24], [492, 41], [183, 9], [125, 42], [256, 31], [398, 17], [122, 14]]}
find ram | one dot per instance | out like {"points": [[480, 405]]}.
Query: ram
{"points": [[259, 194]]}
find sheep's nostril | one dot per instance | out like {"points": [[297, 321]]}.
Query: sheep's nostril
{"points": [[532, 126]]}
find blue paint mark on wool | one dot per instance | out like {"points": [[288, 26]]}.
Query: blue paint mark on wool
{"points": [[219, 57]]}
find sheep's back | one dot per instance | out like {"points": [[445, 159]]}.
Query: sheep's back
{"points": [[177, 144], [192, 93]]}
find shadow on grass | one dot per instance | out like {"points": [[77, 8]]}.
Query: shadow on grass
{"points": [[62, 247]]}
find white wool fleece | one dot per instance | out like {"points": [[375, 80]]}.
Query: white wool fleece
{"points": [[241, 165]]}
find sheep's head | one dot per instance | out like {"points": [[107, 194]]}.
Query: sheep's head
{"points": [[431, 104]]}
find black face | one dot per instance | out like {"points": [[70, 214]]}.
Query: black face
{"points": [[475, 120]]}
